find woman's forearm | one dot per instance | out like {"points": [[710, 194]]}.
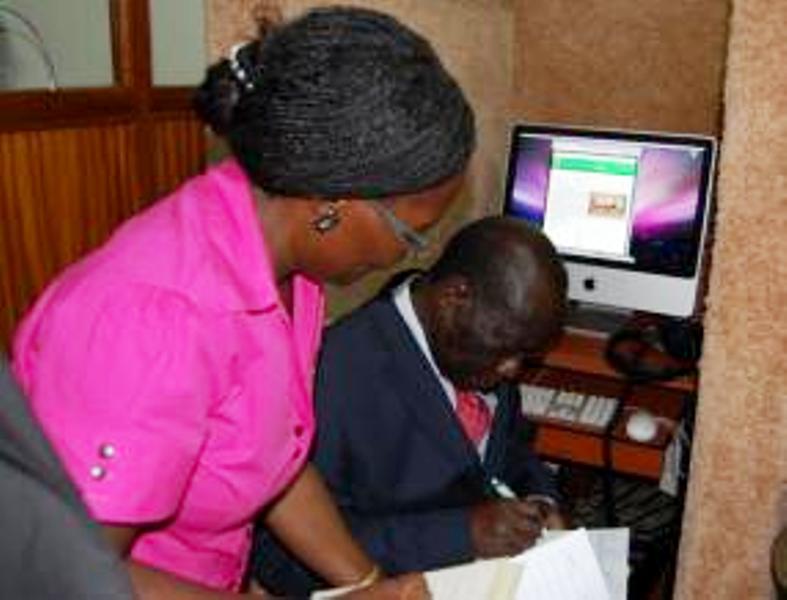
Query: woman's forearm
{"points": [[152, 584], [307, 521]]}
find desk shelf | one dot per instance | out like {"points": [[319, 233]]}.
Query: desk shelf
{"points": [[578, 364], [579, 447], [577, 444]]}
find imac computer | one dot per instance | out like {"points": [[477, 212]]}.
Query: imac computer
{"points": [[626, 210]]}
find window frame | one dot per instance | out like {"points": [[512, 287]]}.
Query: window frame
{"points": [[132, 96]]}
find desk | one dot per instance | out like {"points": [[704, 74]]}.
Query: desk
{"points": [[577, 363]]}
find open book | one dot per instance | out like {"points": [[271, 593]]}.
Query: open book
{"points": [[479, 580], [565, 565]]}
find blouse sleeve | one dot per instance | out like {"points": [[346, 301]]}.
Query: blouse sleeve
{"points": [[119, 384]]}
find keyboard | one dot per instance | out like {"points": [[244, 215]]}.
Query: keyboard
{"points": [[572, 407]]}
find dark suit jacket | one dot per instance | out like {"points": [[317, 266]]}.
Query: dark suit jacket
{"points": [[393, 452], [49, 548]]}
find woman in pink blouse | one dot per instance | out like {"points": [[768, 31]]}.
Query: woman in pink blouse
{"points": [[172, 367]]}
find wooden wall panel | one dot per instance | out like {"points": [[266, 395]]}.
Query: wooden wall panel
{"points": [[179, 150], [62, 191]]}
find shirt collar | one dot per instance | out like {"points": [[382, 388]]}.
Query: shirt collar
{"points": [[403, 300], [236, 237]]}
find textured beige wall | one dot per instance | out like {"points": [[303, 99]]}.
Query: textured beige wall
{"points": [[738, 488], [647, 65]]}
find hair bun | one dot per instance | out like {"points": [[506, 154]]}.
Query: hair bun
{"points": [[215, 99]]}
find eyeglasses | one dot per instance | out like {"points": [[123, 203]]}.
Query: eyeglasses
{"points": [[415, 241]]}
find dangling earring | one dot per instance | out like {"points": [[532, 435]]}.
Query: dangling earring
{"points": [[327, 220]]}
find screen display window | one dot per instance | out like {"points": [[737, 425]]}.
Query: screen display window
{"points": [[633, 200], [588, 204]]}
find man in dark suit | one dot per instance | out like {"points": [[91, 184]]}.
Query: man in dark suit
{"points": [[49, 548], [420, 435]]}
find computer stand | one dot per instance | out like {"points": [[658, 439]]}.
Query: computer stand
{"points": [[595, 320]]}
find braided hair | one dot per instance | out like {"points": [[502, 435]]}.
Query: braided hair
{"points": [[341, 102]]}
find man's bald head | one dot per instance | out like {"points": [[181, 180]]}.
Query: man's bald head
{"points": [[498, 289]]}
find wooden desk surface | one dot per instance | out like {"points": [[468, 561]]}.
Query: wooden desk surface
{"points": [[585, 353]]}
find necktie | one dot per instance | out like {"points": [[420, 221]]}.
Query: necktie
{"points": [[473, 414]]}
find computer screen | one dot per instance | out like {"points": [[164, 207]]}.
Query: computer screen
{"points": [[627, 210]]}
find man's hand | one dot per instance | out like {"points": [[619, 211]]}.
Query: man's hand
{"points": [[555, 520], [504, 527], [550, 512]]}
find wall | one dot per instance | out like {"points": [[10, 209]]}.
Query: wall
{"points": [[650, 65], [738, 488], [104, 172]]}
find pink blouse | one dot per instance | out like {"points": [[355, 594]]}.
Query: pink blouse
{"points": [[171, 380]]}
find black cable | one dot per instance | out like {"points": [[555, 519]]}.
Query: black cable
{"points": [[655, 349], [608, 467]]}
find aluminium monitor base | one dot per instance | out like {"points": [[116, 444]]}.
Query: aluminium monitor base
{"points": [[595, 320]]}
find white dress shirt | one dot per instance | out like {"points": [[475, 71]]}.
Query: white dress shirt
{"points": [[403, 301]]}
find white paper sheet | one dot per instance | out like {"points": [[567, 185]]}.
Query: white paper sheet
{"points": [[564, 568], [480, 580], [566, 565], [611, 547]]}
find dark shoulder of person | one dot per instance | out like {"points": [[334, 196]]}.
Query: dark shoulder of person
{"points": [[49, 547]]}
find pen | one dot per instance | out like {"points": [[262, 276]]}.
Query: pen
{"points": [[502, 490], [505, 492]]}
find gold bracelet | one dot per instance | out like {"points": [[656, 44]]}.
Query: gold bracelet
{"points": [[371, 577]]}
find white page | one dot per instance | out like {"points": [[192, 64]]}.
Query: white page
{"points": [[587, 210], [612, 552], [561, 569], [480, 580], [611, 547]]}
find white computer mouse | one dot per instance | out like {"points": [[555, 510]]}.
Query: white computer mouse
{"points": [[641, 425]]}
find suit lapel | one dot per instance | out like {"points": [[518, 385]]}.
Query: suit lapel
{"points": [[494, 457], [410, 375]]}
